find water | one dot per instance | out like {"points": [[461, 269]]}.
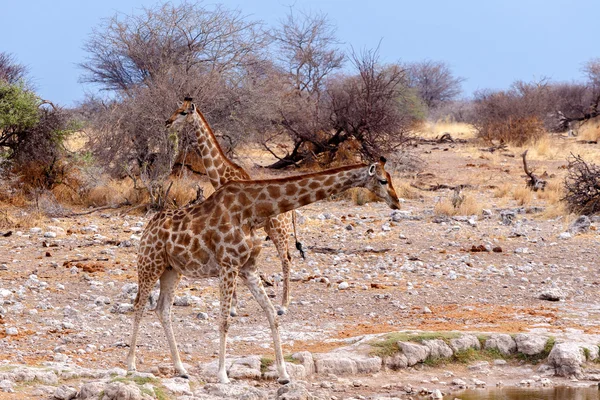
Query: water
{"points": [[554, 393]]}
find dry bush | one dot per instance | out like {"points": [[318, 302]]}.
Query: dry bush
{"points": [[502, 190], [522, 195], [468, 205], [516, 131], [114, 192], [590, 131], [553, 193], [582, 186], [458, 130], [405, 191]]}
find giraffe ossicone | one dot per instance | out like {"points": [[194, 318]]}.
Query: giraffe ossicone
{"points": [[218, 238]]}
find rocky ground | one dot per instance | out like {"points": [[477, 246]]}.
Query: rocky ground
{"points": [[67, 284]]}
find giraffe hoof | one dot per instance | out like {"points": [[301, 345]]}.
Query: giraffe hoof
{"points": [[281, 311], [233, 313], [283, 381], [184, 376]]}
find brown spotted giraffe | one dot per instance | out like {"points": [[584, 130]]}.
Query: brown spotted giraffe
{"points": [[221, 170], [218, 239]]}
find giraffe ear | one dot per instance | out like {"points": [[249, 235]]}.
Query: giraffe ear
{"points": [[372, 169], [193, 107]]}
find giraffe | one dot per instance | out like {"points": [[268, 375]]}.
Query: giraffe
{"points": [[218, 239], [221, 170]]}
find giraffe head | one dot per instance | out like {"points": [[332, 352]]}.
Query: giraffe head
{"points": [[185, 112], [379, 182]]}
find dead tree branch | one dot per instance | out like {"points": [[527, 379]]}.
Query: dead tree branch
{"points": [[534, 183]]}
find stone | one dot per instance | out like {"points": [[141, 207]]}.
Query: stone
{"points": [[306, 359], [414, 352], [121, 308], [64, 392], [11, 331], [580, 225], [465, 342], [91, 390], [202, 316], [552, 294], [343, 285], [564, 235], [49, 234], [294, 391], [438, 348], [229, 391], [177, 385], [396, 361], [436, 394], [7, 386], [245, 368], [530, 344], [507, 217], [122, 391], [503, 342], [567, 358], [331, 363]]}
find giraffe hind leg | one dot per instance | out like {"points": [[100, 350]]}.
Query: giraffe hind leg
{"points": [[280, 236], [147, 277]]}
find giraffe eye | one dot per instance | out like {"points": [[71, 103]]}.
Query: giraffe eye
{"points": [[183, 113], [383, 181]]}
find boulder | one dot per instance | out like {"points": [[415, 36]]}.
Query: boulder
{"points": [[530, 344], [122, 391], [465, 342], [438, 348], [414, 352], [294, 391], [503, 342], [64, 392], [566, 358]]}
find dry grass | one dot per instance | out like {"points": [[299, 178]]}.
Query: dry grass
{"points": [[114, 192], [17, 218], [590, 130], [458, 130], [468, 206], [522, 195], [405, 191], [183, 190], [502, 190]]}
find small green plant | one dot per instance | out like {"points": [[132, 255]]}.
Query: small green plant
{"points": [[389, 345], [466, 356], [290, 359], [160, 394], [138, 380], [265, 363], [586, 353]]}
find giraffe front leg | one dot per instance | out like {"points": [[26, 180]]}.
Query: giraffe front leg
{"points": [[227, 288], [233, 308], [168, 283], [254, 283]]}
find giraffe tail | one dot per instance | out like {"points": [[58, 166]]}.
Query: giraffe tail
{"points": [[298, 244]]}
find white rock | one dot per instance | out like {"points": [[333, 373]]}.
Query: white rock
{"points": [[64, 392], [343, 285], [11, 331], [564, 236], [50, 234]]}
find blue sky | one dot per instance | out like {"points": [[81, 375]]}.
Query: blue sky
{"points": [[489, 43]]}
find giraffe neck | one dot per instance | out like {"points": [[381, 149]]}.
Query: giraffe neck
{"points": [[262, 199], [218, 167]]}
